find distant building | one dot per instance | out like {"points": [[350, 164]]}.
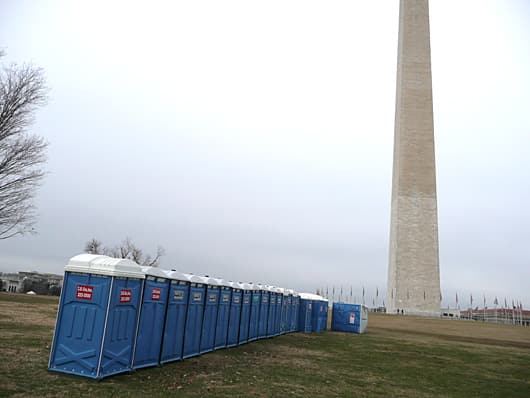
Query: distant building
{"points": [[42, 283]]}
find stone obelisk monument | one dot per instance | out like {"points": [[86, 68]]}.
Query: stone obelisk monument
{"points": [[413, 270]]}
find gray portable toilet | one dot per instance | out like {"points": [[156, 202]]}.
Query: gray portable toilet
{"points": [[177, 311], [152, 318], [98, 315]]}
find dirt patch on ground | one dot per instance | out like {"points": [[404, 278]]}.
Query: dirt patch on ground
{"points": [[452, 330]]}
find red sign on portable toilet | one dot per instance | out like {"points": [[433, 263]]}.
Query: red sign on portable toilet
{"points": [[84, 292], [155, 294], [125, 295]]}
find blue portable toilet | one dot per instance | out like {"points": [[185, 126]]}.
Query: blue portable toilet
{"points": [[279, 305], [351, 318], [98, 316], [176, 314], [244, 322], [223, 313], [271, 318], [284, 310], [263, 312], [294, 311], [209, 320], [255, 302], [305, 323], [287, 315], [320, 310], [193, 329], [152, 318], [235, 315]]}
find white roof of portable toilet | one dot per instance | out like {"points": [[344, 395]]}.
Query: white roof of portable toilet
{"points": [[311, 296], [221, 282], [262, 287], [176, 275], [209, 281], [234, 285], [154, 271], [194, 278], [104, 265], [244, 286]]}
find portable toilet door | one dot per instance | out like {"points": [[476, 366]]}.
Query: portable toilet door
{"points": [[176, 314], [324, 315], [209, 320], [223, 314], [192, 333], [287, 322], [263, 312], [235, 315], [279, 301], [305, 313], [152, 318], [98, 316], [315, 316], [255, 300], [284, 313], [245, 313], [294, 312], [271, 318]]}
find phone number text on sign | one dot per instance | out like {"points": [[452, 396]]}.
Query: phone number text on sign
{"points": [[125, 295], [155, 295], [84, 292]]}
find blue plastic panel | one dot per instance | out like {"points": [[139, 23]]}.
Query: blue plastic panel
{"points": [[254, 315], [223, 315], [80, 323], [209, 321], [305, 316], [192, 334], [245, 317], [152, 319], [263, 315], [173, 340], [235, 315], [122, 319], [271, 319], [278, 315]]}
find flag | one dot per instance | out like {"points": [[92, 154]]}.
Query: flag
{"points": [[424, 295], [496, 302], [456, 296], [383, 303], [471, 299], [513, 305], [351, 291], [373, 301], [377, 292], [484, 299], [505, 303]]}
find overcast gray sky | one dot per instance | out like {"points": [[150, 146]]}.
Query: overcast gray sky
{"points": [[253, 140]]}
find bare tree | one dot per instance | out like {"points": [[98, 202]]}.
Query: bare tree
{"points": [[94, 246], [22, 155], [126, 249]]}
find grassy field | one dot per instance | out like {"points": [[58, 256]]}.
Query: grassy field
{"points": [[399, 356]]}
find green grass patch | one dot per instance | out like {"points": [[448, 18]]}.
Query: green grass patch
{"points": [[380, 363]]}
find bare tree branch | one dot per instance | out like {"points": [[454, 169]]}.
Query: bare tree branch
{"points": [[127, 249], [22, 155]]}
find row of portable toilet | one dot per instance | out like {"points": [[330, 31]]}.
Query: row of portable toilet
{"points": [[115, 316]]}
